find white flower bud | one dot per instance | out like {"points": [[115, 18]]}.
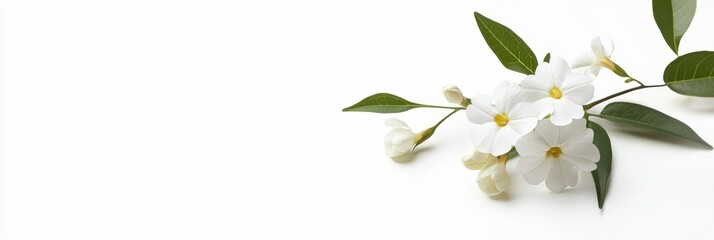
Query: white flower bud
{"points": [[400, 140], [493, 178], [453, 94], [475, 160]]}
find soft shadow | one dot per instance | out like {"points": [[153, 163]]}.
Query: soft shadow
{"points": [[699, 104], [659, 137], [409, 157], [501, 197]]}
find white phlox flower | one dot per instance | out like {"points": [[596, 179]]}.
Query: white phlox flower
{"points": [[555, 154], [453, 94], [500, 119], [475, 160], [598, 57], [493, 178], [557, 91], [400, 140]]}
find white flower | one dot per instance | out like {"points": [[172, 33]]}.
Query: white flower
{"points": [[493, 178], [555, 154], [599, 57], [555, 90], [400, 140], [453, 94], [475, 160], [500, 120]]}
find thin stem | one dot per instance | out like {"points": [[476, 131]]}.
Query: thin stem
{"points": [[638, 81], [443, 107], [447, 116], [592, 104], [426, 134]]}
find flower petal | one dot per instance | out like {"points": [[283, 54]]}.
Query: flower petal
{"points": [[503, 140], [570, 173], [581, 164], [505, 96], [560, 116], [395, 123], [534, 169], [574, 110], [548, 132], [571, 132], [532, 145], [544, 106], [560, 70], [574, 80], [500, 177], [477, 115], [602, 47], [536, 83], [585, 150], [555, 181], [585, 135], [482, 136], [500, 96], [523, 110], [403, 141], [480, 110], [523, 126]]}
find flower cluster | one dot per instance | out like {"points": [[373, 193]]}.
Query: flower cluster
{"points": [[546, 117], [540, 118]]}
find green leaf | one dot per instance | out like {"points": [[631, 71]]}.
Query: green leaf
{"points": [[547, 58], [673, 18], [691, 74], [382, 103], [601, 174], [647, 118], [510, 49]]}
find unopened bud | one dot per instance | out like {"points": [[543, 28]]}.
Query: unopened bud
{"points": [[453, 94]]}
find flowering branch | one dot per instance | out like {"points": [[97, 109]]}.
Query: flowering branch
{"points": [[543, 118]]}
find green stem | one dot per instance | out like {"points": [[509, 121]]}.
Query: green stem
{"points": [[638, 81], [447, 116], [592, 104], [443, 107], [426, 134]]}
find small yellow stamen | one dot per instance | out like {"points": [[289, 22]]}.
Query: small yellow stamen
{"points": [[501, 120], [554, 152], [556, 93]]}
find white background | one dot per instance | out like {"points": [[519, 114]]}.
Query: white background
{"points": [[221, 120]]}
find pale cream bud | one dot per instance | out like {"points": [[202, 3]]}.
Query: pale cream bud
{"points": [[453, 94], [475, 160]]}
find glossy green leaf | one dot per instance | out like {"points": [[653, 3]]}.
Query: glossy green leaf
{"points": [[510, 49], [691, 74], [647, 118], [601, 174], [673, 18], [385, 103]]}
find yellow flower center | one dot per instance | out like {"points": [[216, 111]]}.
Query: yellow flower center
{"points": [[501, 120], [556, 93], [554, 152]]}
